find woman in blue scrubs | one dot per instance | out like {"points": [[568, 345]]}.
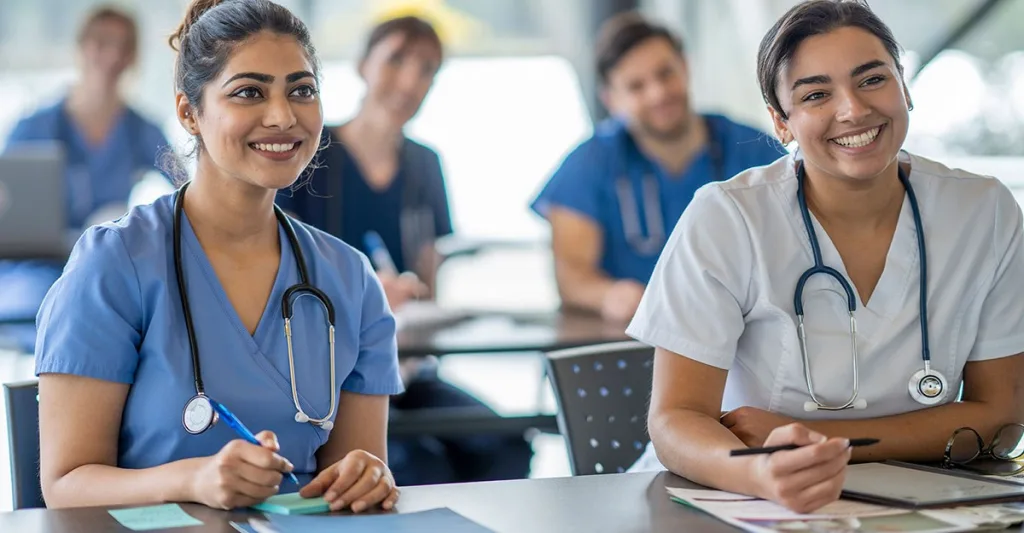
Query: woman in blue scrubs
{"points": [[108, 146], [372, 178], [114, 355]]}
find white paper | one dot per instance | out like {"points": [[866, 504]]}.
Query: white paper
{"points": [[749, 508], [421, 313], [760, 516]]}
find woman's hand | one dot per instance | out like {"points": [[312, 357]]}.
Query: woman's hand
{"points": [[400, 289], [358, 481], [621, 301], [240, 474], [807, 478]]}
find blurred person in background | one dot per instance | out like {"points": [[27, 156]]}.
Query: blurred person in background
{"points": [[384, 194], [616, 196], [107, 146]]}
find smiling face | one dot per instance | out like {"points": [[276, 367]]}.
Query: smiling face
{"points": [[261, 118], [107, 48], [398, 74], [648, 88], [846, 103]]}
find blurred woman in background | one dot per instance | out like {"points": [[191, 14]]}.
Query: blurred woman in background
{"points": [[384, 194], [107, 147]]}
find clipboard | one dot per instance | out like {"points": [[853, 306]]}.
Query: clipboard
{"points": [[913, 486]]}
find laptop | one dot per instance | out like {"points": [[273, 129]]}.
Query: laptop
{"points": [[33, 205]]}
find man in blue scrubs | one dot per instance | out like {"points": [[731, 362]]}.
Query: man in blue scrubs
{"points": [[615, 198]]}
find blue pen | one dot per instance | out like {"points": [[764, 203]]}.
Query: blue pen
{"points": [[379, 254], [234, 423]]}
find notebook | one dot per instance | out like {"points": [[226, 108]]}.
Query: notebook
{"points": [[920, 487], [441, 519], [292, 503]]}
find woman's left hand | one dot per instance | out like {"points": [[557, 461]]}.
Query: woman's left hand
{"points": [[752, 425], [359, 481]]}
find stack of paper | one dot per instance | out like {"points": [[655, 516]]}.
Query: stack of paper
{"points": [[756, 515], [424, 314], [292, 503]]}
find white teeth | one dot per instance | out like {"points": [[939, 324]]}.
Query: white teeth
{"points": [[857, 141], [273, 147]]}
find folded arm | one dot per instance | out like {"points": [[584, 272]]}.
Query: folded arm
{"points": [[686, 401], [993, 395], [80, 418]]}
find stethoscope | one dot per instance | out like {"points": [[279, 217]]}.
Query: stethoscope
{"points": [[927, 386], [652, 242], [199, 414]]}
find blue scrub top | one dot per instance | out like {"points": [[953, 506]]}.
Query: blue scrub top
{"points": [[96, 175], [411, 213], [586, 183], [115, 315]]}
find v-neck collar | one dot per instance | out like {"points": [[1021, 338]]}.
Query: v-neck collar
{"points": [[210, 275], [901, 259], [260, 343], [78, 137]]}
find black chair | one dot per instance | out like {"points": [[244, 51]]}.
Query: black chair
{"points": [[21, 401], [602, 393]]}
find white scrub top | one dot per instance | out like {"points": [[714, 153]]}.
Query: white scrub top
{"points": [[115, 315], [722, 292]]}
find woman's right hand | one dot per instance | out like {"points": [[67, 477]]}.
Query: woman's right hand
{"points": [[400, 289], [240, 474], [621, 301], [805, 479]]}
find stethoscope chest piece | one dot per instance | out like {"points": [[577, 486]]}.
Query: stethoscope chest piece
{"points": [[198, 415], [927, 386]]}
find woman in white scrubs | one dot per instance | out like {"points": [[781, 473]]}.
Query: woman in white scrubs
{"points": [[118, 358], [722, 306]]}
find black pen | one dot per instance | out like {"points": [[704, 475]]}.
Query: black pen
{"points": [[773, 449]]}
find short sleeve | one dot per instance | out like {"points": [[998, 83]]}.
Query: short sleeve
{"points": [[376, 369], [90, 323], [1001, 325], [694, 302], [574, 185], [27, 130]]}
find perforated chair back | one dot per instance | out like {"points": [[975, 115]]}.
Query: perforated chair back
{"points": [[21, 401], [602, 393]]}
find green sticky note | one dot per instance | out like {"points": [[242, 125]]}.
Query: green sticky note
{"points": [[292, 503], [154, 517]]}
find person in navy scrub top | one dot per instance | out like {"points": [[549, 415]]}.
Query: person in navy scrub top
{"points": [[616, 197], [108, 147], [114, 351], [372, 178]]}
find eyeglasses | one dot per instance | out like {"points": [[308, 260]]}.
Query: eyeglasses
{"points": [[966, 450]]}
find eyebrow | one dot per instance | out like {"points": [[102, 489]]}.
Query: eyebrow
{"points": [[267, 78], [822, 79]]}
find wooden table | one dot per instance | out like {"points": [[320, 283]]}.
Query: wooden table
{"points": [[510, 332], [619, 503]]}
